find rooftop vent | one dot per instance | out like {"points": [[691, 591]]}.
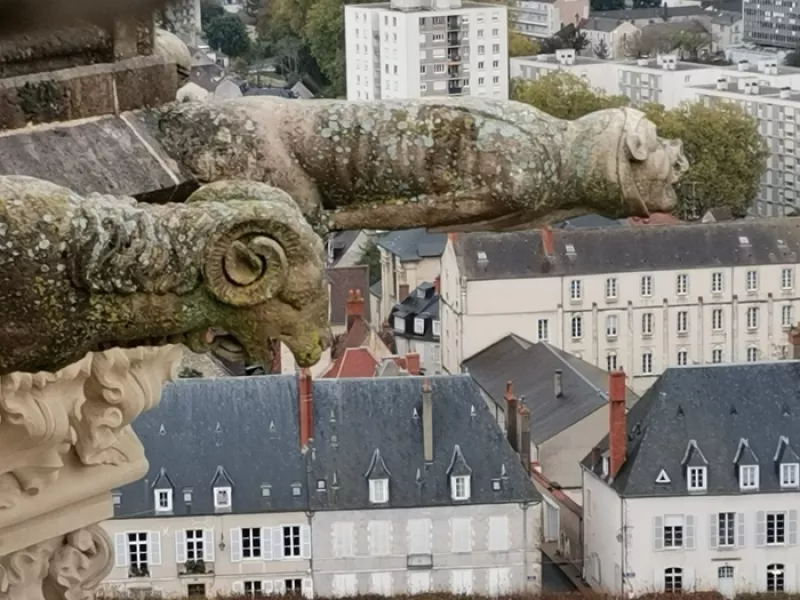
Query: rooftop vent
{"points": [[570, 249], [744, 65], [785, 92], [722, 83], [482, 258], [744, 240]]}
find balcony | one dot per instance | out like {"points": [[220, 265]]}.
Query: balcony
{"points": [[195, 567], [138, 571]]}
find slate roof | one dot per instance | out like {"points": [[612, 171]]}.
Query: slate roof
{"points": [[531, 368], [342, 280], [624, 249], [423, 303], [719, 411], [202, 429], [413, 244], [601, 24]]}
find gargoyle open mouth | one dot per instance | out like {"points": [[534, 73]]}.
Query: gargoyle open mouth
{"points": [[214, 339]]}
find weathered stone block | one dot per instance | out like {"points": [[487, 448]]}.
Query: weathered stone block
{"points": [[146, 82]]}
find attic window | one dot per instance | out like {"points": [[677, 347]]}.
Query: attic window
{"points": [[116, 498], [222, 497], [437, 328], [419, 326], [297, 489], [460, 487], [482, 256], [496, 485], [790, 475], [378, 491], [748, 477], [697, 479], [266, 491], [399, 324], [570, 248], [321, 485], [163, 500], [187, 496], [744, 240]]}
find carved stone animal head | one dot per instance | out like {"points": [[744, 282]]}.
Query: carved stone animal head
{"points": [[268, 275], [627, 153]]}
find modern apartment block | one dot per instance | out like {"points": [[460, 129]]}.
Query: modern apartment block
{"points": [[638, 298], [695, 489], [770, 23], [422, 48], [390, 485], [545, 18]]}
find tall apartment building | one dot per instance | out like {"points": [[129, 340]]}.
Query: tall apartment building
{"points": [[422, 48], [545, 18], [638, 298], [770, 23]]}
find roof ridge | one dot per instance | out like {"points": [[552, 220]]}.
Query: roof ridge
{"points": [[562, 358]]}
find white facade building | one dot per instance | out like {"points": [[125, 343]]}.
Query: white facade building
{"points": [[641, 298], [709, 501], [421, 48], [545, 18]]}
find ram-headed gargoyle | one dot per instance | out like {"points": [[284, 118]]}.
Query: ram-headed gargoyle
{"points": [[230, 269]]}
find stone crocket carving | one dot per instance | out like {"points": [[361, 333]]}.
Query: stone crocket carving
{"points": [[462, 163], [233, 267]]}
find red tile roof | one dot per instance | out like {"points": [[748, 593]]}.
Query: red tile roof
{"points": [[354, 362], [655, 219]]}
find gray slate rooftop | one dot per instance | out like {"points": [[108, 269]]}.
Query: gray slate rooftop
{"points": [[531, 369], [716, 406], [613, 249], [246, 430], [413, 244]]}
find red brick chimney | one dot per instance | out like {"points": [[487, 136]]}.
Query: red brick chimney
{"points": [[354, 308], [511, 418], [794, 340], [306, 407], [525, 436], [617, 429], [547, 241], [437, 285], [413, 363]]}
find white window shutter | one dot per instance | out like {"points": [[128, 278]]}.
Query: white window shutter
{"points": [[236, 549], [238, 586], [740, 531], [712, 531], [790, 578], [277, 543], [267, 587], [658, 579], [761, 529], [792, 527], [266, 544], [305, 541], [180, 546], [280, 586], [688, 579], [308, 587], [208, 545], [689, 538], [658, 534], [761, 577], [154, 539], [121, 549]]}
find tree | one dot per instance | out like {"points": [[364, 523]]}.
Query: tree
{"points": [[371, 258], [209, 10], [725, 152], [521, 45], [253, 8], [645, 44], [228, 34], [563, 95], [324, 32], [569, 37], [690, 43], [601, 50]]}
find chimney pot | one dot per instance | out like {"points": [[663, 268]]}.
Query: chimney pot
{"points": [[413, 363], [306, 413], [427, 421], [558, 382], [512, 432], [617, 427]]}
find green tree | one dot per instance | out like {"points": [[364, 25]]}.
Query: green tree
{"points": [[324, 33], [228, 34], [371, 258], [725, 151], [563, 95], [521, 45], [601, 50], [209, 10]]}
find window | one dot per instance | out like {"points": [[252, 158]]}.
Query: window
{"points": [[726, 529], [251, 542], [379, 491], [716, 356], [222, 497], [752, 281], [611, 288], [752, 317], [696, 479], [399, 324], [752, 354], [495, 79], [438, 37], [460, 487], [611, 361], [138, 560], [495, 48], [716, 319], [646, 288], [776, 528], [495, 64], [790, 475], [419, 326], [543, 330], [422, 69], [163, 500], [748, 477], [293, 586], [611, 326], [673, 580], [787, 281], [775, 582], [682, 284], [683, 322], [481, 50], [716, 282], [253, 589], [437, 328], [438, 68], [683, 357], [480, 65], [575, 289], [291, 541], [647, 362], [577, 327], [480, 33], [194, 544], [787, 315], [647, 323], [481, 80], [495, 32], [673, 532]]}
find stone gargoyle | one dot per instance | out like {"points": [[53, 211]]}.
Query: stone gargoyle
{"points": [[230, 269], [460, 164]]}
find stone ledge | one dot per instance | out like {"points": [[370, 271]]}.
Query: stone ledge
{"points": [[88, 91]]}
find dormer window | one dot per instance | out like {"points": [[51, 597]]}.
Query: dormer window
{"points": [[399, 324], [163, 501], [497, 485], [379, 491], [605, 466], [117, 498], [297, 489], [419, 326], [222, 497], [460, 487], [436, 328], [748, 477], [697, 479], [187, 496], [790, 475], [322, 485]]}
